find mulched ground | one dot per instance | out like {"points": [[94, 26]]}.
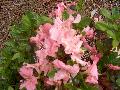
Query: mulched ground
{"points": [[12, 10]]}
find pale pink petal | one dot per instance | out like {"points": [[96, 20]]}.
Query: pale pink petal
{"points": [[59, 11], [59, 64], [77, 58], [26, 72], [92, 74], [91, 79], [29, 84], [77, 19], [113, 67], [61, 75]]}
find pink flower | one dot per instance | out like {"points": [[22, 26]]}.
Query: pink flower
{"points": [[59, 64], [77, 19], [59, 11], [89, 32], [30, 80], [73, 70], [62, 75], [112, 67], [91, 79], [41, 56], [51, 47], [95, 58], [29, 84], [49, 81], [92, 74], [26, 72], [77, 58], [46, 27], [45, 67], [55, 31]]}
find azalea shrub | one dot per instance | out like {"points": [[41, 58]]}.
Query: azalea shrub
{"points": [[64, 51]]}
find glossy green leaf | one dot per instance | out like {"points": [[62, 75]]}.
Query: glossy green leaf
{"points": [[83, 23], [25, 22], [118, 81], [115, 43], [111, 34], [115, 13], [10, 88], [10, 43], [16, 55], [65, 15], [105, 13], [102, 26], [70, 86], [52, 73]]}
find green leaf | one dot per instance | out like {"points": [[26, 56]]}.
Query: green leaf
{"points": [[115, 13], [37, 20], [25, 22], [15, 56], [70, 86], [70, 62], [100, 46], [83, 23], [65, 15], [10, 88], [102, 26], [14, 31], [112, 59], [115, 10], [90, 87], [105, 13], [118, 81], [45, 19], [79, 5], [111, 34], [9, 43], [115, 43], [52, 73]]}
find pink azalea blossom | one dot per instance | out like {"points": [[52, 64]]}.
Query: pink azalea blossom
{"points": [[62, 75], [92, 74], [51, 47], [112, 67], [26, 72], [30, 80], [77, 58], [63, 33], [59, 11], [42, 34], [77, 19], [48, 39], [29, 84], [89, 32], [50, 81], [92, 70], [70, 69]]}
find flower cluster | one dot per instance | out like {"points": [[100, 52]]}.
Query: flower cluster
{"points": [[48, 39]]}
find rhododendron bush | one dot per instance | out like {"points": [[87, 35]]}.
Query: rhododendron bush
{"points": [[68, 53]]}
